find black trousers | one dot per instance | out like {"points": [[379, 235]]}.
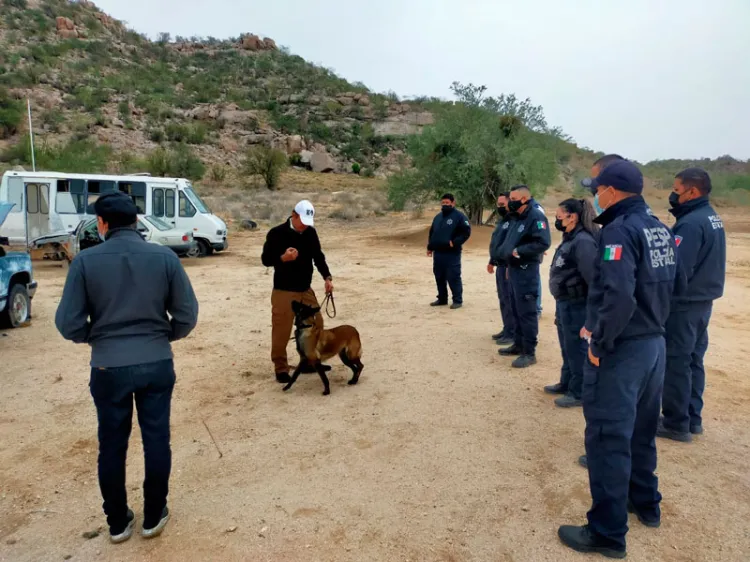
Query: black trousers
{"points": [[524, 282], [114, 390]]}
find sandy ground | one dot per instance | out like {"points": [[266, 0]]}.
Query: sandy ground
{"points": [[441, 453]]}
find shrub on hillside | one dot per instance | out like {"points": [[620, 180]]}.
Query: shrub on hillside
{"points": [[75, 156], [20, 4], [11, 114], [179, 162], [265, 162], [356, 168]]}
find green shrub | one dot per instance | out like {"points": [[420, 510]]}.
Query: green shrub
{"points": [[295, 160], [157, 135], [11, 114], [123, 108], [75, 156], [368, 172], [218, 173], [20, 4], [180, 161], [356, 168], [265, 162]]}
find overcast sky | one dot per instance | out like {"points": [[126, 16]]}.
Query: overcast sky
{"points": [[646, 78]]}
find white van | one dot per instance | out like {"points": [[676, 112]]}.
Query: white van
{"points": [[53, 202]]}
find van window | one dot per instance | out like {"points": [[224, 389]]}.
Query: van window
{"points": [[44, 198], [137, 191], [197, 201], [186, 207], [157, 202], [95, 188], [32, 198], [15, 194], [71, 197], [169, 203]]}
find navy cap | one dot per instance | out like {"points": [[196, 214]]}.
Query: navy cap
{"points": [[117, 207], [623, 175]]}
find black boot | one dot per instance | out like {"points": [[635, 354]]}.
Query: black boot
{"points": [[583, 461], [568, 401], [558, 388], [583, 539], [438, 303], [653, 522], [674, 435], [510, 351], [505, 340], [524, 361]]}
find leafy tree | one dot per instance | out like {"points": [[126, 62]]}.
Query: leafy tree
{"points": [[266, 162], [478, 147], [11, 114]]}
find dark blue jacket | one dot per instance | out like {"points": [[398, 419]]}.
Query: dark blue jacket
{"points": [[635, 278], [498, 237], [702, 251], [128, 300], [573, 268], [453, 227], [528, 235]]}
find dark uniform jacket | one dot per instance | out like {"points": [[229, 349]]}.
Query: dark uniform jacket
{"points": [[295, 275], [498, 237], [453, 227], [528, 235], [574, 266], [636, 270], [702, 251]]}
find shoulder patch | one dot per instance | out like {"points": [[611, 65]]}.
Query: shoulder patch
{"points": [[541, 225], [467, 223], [613, 252], [677, 240]]}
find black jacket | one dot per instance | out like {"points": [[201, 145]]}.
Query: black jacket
{"points": [[528, 235], [127, 299], [635, 278], [573, 268], [701, 251], [504, 224], [453, 227], [293, 275]]}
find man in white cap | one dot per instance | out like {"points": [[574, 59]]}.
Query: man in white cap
{"points": [[291, 248]]}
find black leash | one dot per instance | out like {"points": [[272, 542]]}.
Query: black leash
{"points": [[328, 304]]}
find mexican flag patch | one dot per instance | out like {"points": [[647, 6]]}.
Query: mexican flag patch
{"points": [[540, 225], [613, 252]]}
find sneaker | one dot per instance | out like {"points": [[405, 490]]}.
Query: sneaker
{"points": [[124, 535], [156, 531], [674, 435], [505, 340], [583, 539], [557, 388], [648, 522], [456, 305], [509, 351], [438, 303], [283, 378], [583, 461], [568, 401], [696, 429], [524, 361]]}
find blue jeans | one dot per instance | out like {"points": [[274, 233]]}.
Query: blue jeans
{"points": [[570, 316], [114, 390], [621, 403], [447, 269]]}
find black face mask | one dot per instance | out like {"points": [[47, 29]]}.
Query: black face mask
{"points": [[559, 225], [502, 211], [513, 206], [447, 209], [674, 200]]}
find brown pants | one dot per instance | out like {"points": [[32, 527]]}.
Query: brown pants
{"points": [[282, 321]]}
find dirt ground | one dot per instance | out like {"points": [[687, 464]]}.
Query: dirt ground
{"points": [[441, 453]]}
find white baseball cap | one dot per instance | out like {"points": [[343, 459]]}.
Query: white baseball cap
{"points": [[306, 212]]}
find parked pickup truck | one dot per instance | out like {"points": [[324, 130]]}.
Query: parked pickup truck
{"points": [[17, 285]]}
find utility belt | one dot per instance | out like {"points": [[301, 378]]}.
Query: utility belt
{"points": [[577, 291]]}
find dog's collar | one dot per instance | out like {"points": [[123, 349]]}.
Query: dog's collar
{"points": [[305, 326]]}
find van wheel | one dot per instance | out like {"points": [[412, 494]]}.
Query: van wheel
{"points": [[18, 310], [204, 249]]}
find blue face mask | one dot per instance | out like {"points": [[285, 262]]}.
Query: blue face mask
{"points": [[598, 209]]}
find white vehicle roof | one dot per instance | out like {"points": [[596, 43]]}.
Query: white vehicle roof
{"points": [[109, 177]]}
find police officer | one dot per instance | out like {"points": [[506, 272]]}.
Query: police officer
{"points": [[702, 252], [539, 297], [522, 250], [499, 267], [449, 231], [623, 378], [571, 274]]}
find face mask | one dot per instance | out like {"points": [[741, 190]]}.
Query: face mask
{"points": [[513, 206], [559, 225], [447, 209], [502, 211], [674, 200], [598, 209]]}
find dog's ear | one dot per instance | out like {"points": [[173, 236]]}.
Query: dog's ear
{"points": [[296, 306]]}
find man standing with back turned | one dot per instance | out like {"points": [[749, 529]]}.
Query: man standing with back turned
{"points": [[291, 248], [118, 298], [627, 309], [448, 233], [702, 251]]}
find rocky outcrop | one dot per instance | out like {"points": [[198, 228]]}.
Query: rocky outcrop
{"points": [[305, 156], [322, 162], [66, 28], [252, 42], [295, 144]]}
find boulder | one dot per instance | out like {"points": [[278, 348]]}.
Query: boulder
{"points": [[65, 23], [254, 138], [321, 162], [251, 43], [247, 224], [269, 44], [295, 144], [305, 156]]}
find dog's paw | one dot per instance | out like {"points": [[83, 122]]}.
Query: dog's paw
{"points": [[287, 387], [352, 382], [326, 392]]}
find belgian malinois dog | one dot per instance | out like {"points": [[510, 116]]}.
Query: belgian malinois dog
{"points": [[316, 344]]}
